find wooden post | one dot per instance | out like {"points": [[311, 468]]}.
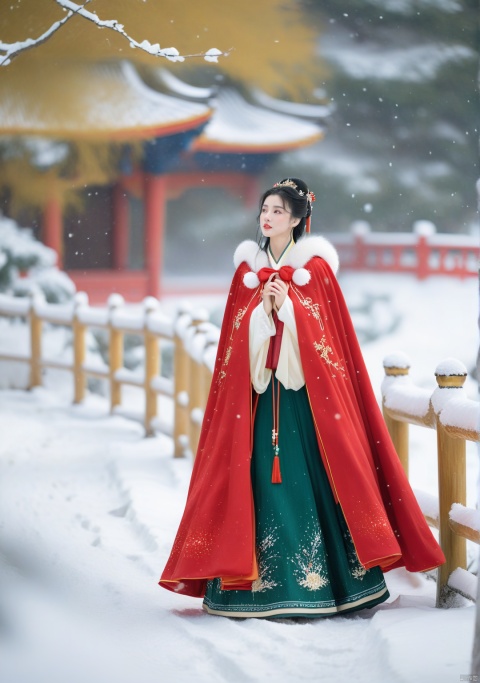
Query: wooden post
{"points": [[115, 353], [181, 391], [152, 367], [79, 350], [398, 430], [206, 382], [35, 347], [197, 393], [196, 396], [451, 489]]}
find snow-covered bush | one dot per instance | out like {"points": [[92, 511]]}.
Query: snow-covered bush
{"points": [[28, 266]]}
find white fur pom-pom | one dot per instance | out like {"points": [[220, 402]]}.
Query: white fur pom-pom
{"points": [[251, 280], [301, 277]]}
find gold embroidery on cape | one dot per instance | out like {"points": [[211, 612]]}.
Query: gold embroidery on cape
{"points": [[313, 308], [324, 351], [239, 317], [235, 326]]}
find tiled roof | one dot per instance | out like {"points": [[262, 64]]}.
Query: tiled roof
{"points": [[107, 101], [238, 126]]}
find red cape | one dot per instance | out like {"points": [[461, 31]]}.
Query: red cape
{"points": [[216, 533]]}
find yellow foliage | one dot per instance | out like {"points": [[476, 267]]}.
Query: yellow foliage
{"points": [[88, 163], [272, 46], [272, 41]]}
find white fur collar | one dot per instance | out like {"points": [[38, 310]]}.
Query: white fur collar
{"points": [[298, 256]]}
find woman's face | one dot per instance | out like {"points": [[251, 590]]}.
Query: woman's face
{"points": [[275, 218]]}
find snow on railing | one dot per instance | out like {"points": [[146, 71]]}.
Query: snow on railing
{"points": [[147, 322], [457, 420], [194, 340], [422, 252]]}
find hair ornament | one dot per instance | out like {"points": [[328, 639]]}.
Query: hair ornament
{"points": [[289, 183]]}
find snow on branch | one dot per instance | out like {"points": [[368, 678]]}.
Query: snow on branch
{"points": [[10, 50]]}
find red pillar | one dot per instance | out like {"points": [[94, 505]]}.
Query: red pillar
{"points": [[361, 260], [253, 192], [121, 227], [52, 228], [423, 253], [155, 202]]}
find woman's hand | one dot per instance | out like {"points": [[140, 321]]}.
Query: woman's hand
{"points": [[280, 292], [268, 295], [275, 291]]}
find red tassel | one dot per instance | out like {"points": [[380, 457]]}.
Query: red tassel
{"points": [[276, 474]]}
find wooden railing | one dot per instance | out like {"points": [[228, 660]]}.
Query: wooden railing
{"points": [[194, 339], [187, 387], [456, 420]]}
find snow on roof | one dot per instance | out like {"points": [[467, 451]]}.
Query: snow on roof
{"points": [[179, 87], [85, 101], [238, 126], [306, 110]]}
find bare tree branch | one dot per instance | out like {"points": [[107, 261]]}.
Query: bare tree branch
{"points": [[11, 50]]}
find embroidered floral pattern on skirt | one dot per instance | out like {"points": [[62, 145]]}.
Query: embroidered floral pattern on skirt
{"points": [[307, 561]]}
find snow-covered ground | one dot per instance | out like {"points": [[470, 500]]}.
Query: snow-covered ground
{"points": [[88, 510]]}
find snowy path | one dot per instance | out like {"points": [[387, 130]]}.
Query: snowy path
{"points": [[88, 508]]}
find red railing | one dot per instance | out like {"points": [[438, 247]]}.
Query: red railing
{"points": [[422, 255], [99, 284]]}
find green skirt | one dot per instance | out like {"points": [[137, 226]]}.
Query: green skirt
{"points": [[308, 566]]}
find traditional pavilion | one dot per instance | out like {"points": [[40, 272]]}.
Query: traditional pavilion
{"points": [[173, 137]]}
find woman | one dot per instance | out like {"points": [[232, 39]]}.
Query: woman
{"points": [[297, 502]]}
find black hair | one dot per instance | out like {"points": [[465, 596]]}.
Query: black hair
{"points": [[296, 203]]}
